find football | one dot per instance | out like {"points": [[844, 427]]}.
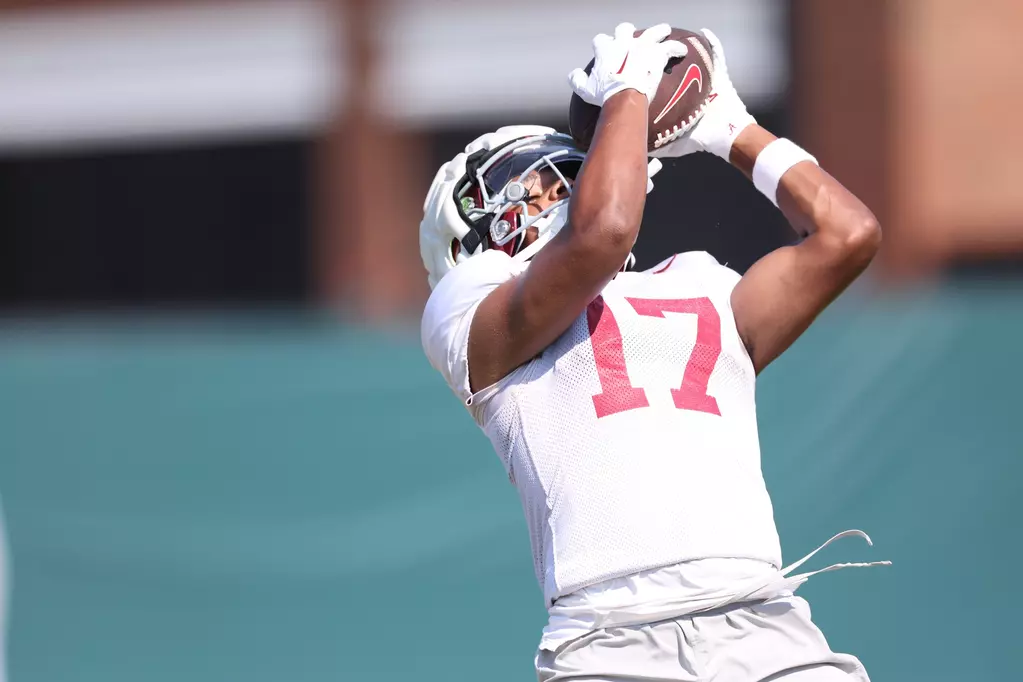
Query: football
{"points": [[681, 96]]}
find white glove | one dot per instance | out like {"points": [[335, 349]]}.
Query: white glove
{"points": [[626, 62], [724, 117]]}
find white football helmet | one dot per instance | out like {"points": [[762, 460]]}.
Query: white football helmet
{"points": [[478, 202]]}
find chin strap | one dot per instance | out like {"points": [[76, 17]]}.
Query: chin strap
{"points": [[548, 227], [472, 240]]}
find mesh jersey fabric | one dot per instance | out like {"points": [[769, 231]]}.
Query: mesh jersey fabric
{"points": [[632, 439], [449, 311]]}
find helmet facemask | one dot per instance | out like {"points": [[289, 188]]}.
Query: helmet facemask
{"points": [[493, 197]]}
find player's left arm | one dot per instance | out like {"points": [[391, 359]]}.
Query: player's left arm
{"points": [[783, 292]]}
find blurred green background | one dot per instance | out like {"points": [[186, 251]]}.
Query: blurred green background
{"points": [[281, 497]]}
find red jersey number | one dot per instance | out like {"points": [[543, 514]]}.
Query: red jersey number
{"points": [[617, 394]]}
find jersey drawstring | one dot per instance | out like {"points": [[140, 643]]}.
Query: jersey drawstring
{"points": [[781, 581]]}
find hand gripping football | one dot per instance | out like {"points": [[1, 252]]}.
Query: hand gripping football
{"points": [[681, 96]]}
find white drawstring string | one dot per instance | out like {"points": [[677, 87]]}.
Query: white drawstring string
{"points": [[781, 581]]}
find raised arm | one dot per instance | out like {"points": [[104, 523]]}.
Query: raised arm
{"points": [[527, 313], [784, 291]]}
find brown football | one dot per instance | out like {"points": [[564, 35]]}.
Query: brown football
{"points": [[681, 96]]}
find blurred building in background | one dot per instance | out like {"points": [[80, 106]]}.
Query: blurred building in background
{"points": [[246, 151], [281, 150], [262, 491]]}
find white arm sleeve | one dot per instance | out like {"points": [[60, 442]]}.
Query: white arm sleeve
{"points": [[449, 312]]}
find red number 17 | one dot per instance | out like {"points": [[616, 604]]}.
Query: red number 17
{"points": [[617, 394]]}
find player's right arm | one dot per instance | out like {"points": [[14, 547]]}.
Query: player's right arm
{"points": [[525, 314]]}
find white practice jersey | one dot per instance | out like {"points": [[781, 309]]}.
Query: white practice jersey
{"points": [[632, 439]]}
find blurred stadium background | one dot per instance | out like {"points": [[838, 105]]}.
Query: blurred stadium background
{"points": [[222, 453]]}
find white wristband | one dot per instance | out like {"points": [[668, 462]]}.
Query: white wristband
{"points": [[774, 161]]}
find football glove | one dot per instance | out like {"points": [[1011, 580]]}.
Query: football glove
{"points": [[724, 117], [626, 62]]}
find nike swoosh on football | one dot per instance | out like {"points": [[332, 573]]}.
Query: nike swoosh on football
{"points": [[694, 74]]}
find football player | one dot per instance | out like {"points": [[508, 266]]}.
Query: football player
{"points": [[622, 403]]}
